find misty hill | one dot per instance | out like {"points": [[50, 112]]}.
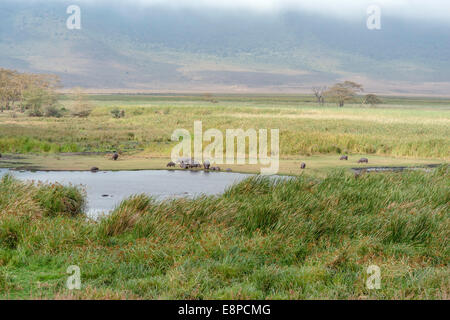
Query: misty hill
{"points": [[158, 49]]}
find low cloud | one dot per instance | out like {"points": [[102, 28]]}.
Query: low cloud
{"points": [[421, 9], [433, 10]]}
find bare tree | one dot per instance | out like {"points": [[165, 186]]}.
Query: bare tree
{"points": [[319, 93], [81, 106]]}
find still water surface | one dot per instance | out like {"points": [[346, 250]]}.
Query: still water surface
{"points": [[106, 189]]}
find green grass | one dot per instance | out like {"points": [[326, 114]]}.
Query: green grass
{"points": [[414, 128], [301, 238]]}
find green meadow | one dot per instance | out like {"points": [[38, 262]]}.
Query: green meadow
{"points": [[400, 128]]}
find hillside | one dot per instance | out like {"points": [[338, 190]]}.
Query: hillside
{"points": [[161, 49]]}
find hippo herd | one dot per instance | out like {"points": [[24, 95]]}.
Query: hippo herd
{"points": [[362, 160], [187, 163], [193, 164]]}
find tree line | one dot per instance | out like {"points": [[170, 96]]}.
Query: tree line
{"points": [[342, 92], [35, 93]]}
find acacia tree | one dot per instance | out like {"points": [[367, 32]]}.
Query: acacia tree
{"points": [[29, 90], [9, 89], [372, 99], [81, 107], [39, 92], [344, 91], [319, 93]]}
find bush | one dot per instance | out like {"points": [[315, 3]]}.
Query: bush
{"points": [[35, 112], [52, 111], [116, 113]]}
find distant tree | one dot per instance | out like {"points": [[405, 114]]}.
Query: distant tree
{"points": [[208, 97], [9, 89], [39, 94], [36, 99], [81, 107], [319, 93], [343, 92], [372, 99], [31, 90]]}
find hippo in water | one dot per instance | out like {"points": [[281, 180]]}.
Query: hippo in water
{"points": [[303, 165], [229, 170], [343, 158], [115, 156], [171, 164], [363, 160]]}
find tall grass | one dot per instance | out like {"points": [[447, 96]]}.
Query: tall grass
{"points": [[421, 131], [291, 238], [35, 200]]}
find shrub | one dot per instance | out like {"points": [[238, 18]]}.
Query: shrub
{"points": [[117, 113], [52, 111]]}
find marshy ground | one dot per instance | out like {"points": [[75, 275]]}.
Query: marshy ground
{"points": [[399, 132]]}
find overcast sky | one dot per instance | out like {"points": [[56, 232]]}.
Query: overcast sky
{"points": [[433, 10], [422, 9]]}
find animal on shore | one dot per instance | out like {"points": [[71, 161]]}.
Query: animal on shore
{"points": [[0, 155], [115, 156], [215, 168], [303, 165], [229, 170], [184, 165], [171, 164], [343, 158], [94, 169], [363, 160], [206, 165]]}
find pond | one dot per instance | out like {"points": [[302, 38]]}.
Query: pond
{"points": [[106, 189]]}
